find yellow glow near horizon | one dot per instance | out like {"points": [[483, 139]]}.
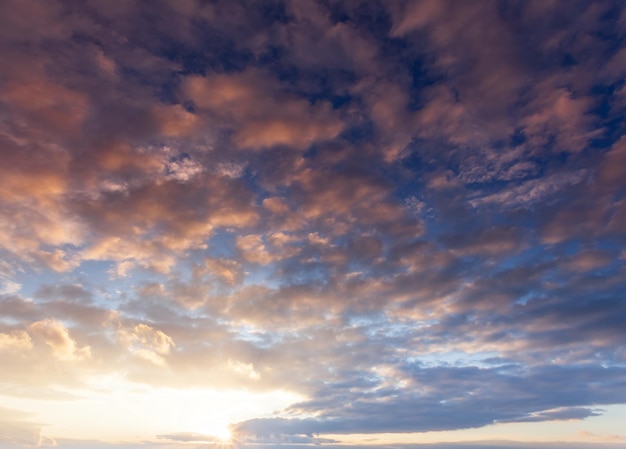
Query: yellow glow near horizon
{"points": [[129, 412], [115, 410], [118, 410]]}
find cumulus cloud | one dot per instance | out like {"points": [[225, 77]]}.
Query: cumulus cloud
{"points": [[254, 249], [147, 343], [15, 341], [54, 334], [261, 117]]}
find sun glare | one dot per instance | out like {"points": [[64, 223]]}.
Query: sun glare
{"points": [[223, 435]]}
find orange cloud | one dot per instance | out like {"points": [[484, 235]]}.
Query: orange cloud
{"points": [[15, 341], [54, 334], [262, 115], [48, 103]]}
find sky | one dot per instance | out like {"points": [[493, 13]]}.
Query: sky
{"points": [[289, 223]]}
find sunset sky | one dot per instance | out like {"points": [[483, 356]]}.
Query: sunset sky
{"points": [[289, 223]]}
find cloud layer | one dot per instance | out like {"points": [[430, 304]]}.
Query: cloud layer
{"points": [[409, 213]]}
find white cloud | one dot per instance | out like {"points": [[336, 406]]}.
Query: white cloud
{"points": [[183, 170], [8, 287], [147, 343], [230, 169], [532, 191]]}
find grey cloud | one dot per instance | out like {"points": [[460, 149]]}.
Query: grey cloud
{"points": [[513, 396], [558, 414], [70, 292]]}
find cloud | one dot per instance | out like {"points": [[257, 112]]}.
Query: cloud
{"points": [[9, 287], [491, 241], [573, 413], [262, 115], [609, 174], [15, 341], [607, 438], [557, 115], [409, 215], [147, 343], [175, 121], [229, 270], [54, 334], [532, 190], [189, 437], [433, 409], [254, 249], [17, 429], [246, 369]]}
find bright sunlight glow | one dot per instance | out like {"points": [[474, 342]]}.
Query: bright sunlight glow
{"points": [[140, 413], [223, 435]]}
